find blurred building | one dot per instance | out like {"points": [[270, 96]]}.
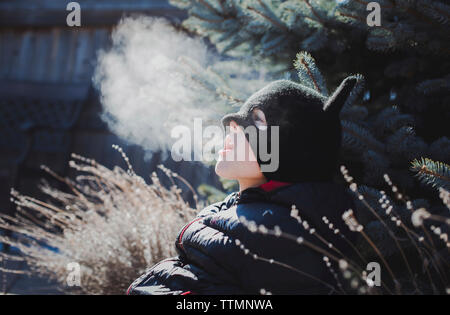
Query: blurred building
{"points": [[48, 106]]}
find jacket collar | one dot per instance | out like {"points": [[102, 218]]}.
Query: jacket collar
{"points": [[313, 193], [272, 185]]}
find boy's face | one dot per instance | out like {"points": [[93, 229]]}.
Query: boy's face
{"points": [[237, 160]]}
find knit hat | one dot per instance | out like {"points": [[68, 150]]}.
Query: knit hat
{"points": [[309, 128]]}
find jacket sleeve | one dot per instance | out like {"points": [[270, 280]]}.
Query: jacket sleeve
{"points": [[174, 276], [154, 280]]}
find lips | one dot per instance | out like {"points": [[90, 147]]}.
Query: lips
{"points": [[228, 146], [228, 143]]}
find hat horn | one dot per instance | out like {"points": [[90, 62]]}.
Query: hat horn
{"points": [[336, 101]]}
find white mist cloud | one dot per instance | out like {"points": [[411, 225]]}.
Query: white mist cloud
{"points": [[153, 79], [144, 87]]}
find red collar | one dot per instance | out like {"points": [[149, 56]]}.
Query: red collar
{"points": [[272, 184]]}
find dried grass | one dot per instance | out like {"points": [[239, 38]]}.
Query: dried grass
{"points": [[114, 226], [111, 223]]}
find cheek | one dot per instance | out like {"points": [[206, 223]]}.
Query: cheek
{"points": [[224, 170], [243, 149], [239, 162]]}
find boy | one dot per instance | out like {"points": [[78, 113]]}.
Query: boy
{"points": [[306, 148]]}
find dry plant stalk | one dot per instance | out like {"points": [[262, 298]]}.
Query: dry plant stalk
{"points": [[112, 224], [354, 273]]}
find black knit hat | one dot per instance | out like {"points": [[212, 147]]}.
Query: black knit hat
{"points": [[309, 128]]}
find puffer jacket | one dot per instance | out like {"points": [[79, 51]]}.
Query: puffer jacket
{"points": [[210, 262]]}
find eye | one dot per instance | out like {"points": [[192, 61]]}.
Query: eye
{"points": [[259, 119]]}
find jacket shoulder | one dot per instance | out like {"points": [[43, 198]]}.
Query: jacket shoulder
{"points": [[218, 206]]}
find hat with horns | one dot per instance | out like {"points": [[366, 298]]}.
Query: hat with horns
{"points": [[309, 128]]}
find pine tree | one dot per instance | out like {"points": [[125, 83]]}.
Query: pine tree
{"points": [[402, 114], [396, 119]]}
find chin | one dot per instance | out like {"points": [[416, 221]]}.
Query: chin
{"points": [[224, 169]]}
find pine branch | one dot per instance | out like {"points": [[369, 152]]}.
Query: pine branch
{"points": [[196, 15], [272, 20], [313, 11], [308, 72], [210, 7], [432, 173], [359, 139], [431, 86], [354, 113], [404, 144], [417, 12], [391, 119], [437, 11], [383, 6]]}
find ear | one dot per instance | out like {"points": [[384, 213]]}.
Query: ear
{"points": [[336, 101]]}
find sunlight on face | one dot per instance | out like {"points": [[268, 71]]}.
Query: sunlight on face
{"points": [[237, 160]]}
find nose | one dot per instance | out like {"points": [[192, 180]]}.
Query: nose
{"points": [[230, 138], [229, 142], [233, 126]]}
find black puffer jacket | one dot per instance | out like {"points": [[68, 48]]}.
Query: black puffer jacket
{"points": [[210, 262]]}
